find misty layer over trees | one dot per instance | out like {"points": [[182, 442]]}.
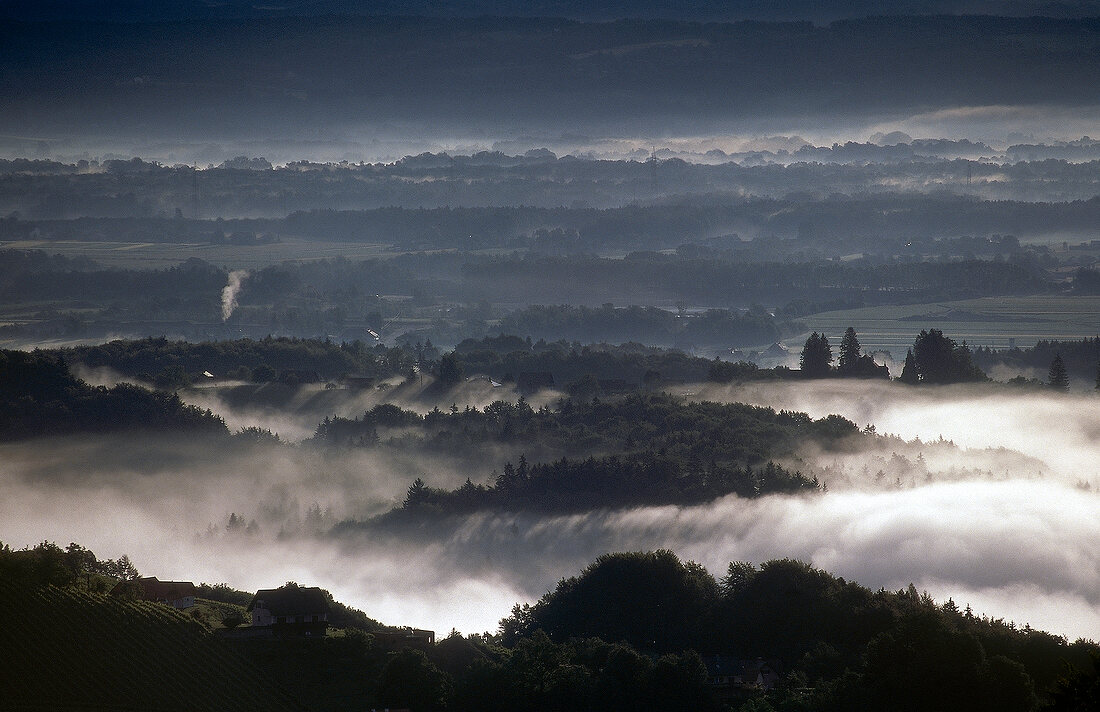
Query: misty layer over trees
{"points": [[735, 358]]}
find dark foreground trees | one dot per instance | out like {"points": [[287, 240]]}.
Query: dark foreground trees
{"points": [[839, 645], [40, 396]]}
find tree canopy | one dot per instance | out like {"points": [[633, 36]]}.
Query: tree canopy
{"points": [[816, 356], [937, 359]]}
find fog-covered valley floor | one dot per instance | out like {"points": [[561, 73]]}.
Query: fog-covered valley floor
{"points": [[1001, 513]]}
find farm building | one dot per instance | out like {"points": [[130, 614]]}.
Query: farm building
{"points": [[291, 610], [178, 594]]}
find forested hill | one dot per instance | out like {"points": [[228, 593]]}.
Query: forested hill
{"points": [[630, 451], [836, 644], [39, 396], [639, 631]]}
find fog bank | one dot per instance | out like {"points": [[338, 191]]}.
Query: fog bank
{"points": [[1003, 521]]}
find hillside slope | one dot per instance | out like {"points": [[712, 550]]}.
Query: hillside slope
{"points": [[67, 650]]}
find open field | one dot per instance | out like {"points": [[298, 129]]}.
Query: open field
{"points": [[998, 322], [158, 255]]}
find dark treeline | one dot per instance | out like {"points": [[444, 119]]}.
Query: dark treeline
{"points": [[1081, 358], [891, 223], [193, 285], [649, 325], [836, 644], [596, 369], [709, 281], [635, 450], [39, 396], [455, 295], [612, 482], [47, 564], [177, 363], [641, 631], [582, 369], [699, 433]]}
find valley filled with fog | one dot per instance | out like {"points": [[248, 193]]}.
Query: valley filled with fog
{"points": [[1002, 517], [487, 320]]}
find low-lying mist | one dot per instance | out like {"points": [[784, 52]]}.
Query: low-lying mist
{"points": [[1001, 521], [694, 139], [1060, 430]]}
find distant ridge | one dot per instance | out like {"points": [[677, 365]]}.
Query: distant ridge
{"points": [[589, 10]]}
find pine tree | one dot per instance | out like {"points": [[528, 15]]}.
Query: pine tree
{"points": [[909, 370], [417, 494], [1058, 378], [849, 352]]}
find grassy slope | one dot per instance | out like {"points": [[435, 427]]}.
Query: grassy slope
{"points": [[68, 650]]}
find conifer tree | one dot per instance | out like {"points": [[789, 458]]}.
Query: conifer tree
{"points": [[849, 352], [1058, 378], [909, 370]]}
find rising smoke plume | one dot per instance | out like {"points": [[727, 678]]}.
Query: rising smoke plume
{"points": [[230, 292]]}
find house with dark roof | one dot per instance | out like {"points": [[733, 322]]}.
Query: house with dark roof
{"points": [[729, 676], [178, 594], [291, 611]]}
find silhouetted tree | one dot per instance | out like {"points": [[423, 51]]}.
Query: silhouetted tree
{"points": [[450, 370], [816, 356], [849, 351], [909, 370], [939, 359], [1058, 378], [417, 494]]}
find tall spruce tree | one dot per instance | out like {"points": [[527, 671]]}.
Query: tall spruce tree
{"points": [[1058, 378], [909, 370], [849, 352]]}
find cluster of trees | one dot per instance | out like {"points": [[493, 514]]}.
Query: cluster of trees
{"points": [[1063, 360], [657, 423], [816, 358], [640, 449], [39, 396], [614, 482], [838, 644], [938, 359], [178, 362], [48, 564], [934, 359], [503, 358]]}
